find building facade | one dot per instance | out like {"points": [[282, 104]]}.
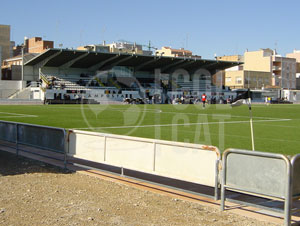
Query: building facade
{"points": [[37, 45], [284, 72], [261, 69], [117, 47], [5, 41], [168, 51], [95, 48], [12, 67], [296, 55]]}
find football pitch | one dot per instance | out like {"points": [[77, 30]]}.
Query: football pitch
{"points": [[276, 127]]}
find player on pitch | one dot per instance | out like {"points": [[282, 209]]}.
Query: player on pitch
{"points": [[203, 99]]}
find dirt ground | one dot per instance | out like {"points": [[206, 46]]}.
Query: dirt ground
{"points": [[33, 193]]}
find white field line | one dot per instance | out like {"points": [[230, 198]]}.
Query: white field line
{"points": [[166, 112], [157, 111], [196, 114], [15, 115], [185, 124], [244, 137], [283, 126]]}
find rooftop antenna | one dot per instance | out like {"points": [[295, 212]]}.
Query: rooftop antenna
{"points": [[275, 48], [103, 32]]}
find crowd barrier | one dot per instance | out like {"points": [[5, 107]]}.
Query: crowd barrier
{"points": [[262, 174], [182, 161], [259, 174], [34, 139]]}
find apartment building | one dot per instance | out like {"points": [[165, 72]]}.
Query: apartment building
{"points": [[261, 69], [37, 45], [284, 72], [168, 51], [5, 41], [117, 47], [232, 77], [11, 68], [296, 55]]}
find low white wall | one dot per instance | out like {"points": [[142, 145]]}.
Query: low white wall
{"points": [[190, 162], [186, 163], [87, 146], [132, 154], [9, 87], [9, 84]]}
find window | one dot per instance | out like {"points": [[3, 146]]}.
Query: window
{"points": [[238, 80], [228, 79], [266, 80]]}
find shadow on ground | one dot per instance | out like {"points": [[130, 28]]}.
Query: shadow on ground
{"points": [[11, 164]]}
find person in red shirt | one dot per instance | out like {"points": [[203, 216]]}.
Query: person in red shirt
{"points": [[203, 99]]}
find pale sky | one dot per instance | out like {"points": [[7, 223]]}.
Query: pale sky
{"points": [[222, 27]]}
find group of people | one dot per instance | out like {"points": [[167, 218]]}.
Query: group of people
{"points": [[203, 99]]}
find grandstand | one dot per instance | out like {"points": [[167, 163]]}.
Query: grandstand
{"points": [[112, 77]]}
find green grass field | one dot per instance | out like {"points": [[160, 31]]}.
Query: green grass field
{"points": [[276, 127]]}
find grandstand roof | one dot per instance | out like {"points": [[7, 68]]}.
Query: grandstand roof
{"points": [[101, 61]]}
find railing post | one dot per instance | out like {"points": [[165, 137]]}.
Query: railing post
{"points": [[122, 171], [17, 138], [217, 180], [104, 151], [66, 148], [154, 155], [288, 196], [223, 182]]}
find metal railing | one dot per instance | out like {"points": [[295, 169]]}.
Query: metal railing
{"points": [[261, 174], [38, 140]]}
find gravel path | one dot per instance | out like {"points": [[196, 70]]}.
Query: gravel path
{"points": [[34, 193]]}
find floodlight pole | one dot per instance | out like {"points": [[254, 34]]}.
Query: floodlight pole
{"points": [[251, 124]]}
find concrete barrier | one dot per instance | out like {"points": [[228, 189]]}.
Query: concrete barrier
{"points": [[188, 162]]}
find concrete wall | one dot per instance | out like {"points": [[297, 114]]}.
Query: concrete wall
{"points": [[5, 41], [248, 79], [295, 55], [297, 67], [183, 161], [257, 79], [258, 61], [8, 88], [232, 78], [235, 58], [37, 45], [16, 72]]}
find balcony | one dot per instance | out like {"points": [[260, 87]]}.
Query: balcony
{"points": [[276, 68]]}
